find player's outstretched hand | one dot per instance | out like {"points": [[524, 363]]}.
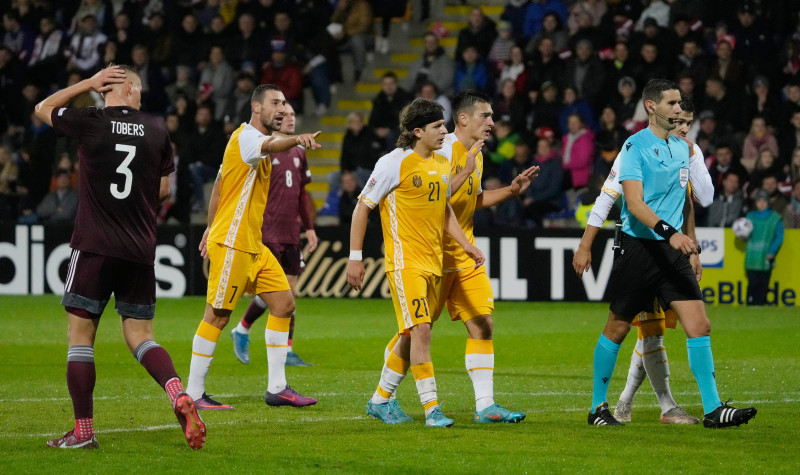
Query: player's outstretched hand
{"points": [[582, 260], [103, 80], [311, 235], [683, 243], [472, 157], [475, 254], [355, 274], [203, 247], [523, 180], [308, 141], [697, 267]]}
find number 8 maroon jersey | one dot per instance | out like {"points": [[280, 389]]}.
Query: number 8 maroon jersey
{"points": [[123, 153]]}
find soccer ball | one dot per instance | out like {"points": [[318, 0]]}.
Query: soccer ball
{"points": [[742, 228]]}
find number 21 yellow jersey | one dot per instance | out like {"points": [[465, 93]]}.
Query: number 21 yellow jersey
{"points": [[413, 193]]}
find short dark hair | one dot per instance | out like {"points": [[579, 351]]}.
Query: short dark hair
{"points": [[389, 74], [412, 113], [261, 90], [465, 101], [686, 104], [654, 89]]}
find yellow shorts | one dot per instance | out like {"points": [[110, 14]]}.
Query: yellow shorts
{"points": [[467, 294], [231, 273], [413, 296], [669, 317]]}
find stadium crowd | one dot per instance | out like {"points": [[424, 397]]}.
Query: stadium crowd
{"points": [[566, 77]]}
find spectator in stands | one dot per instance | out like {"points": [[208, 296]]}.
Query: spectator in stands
{"points": [[718, 101], [433, 65], [61, 205], [183, 85], [238, 111], [248, 43], [190, 43], [710, 135], [658, 10], [762, 247], [514, 13], [9, 173], [625, 102], [544, 195], [691, 61], [157, 36], [791, 215], [546, 66], [547, 107], [521, 161], [651, 65], [777, 201], [754, 46], [85, 46], [386, 10], [538, 10], [123, 36], [47, 57], [284, 73], [728, 203], [154, 95], [428, 90], [586, 73], [594, 9], [511, 106], [794, 165], [577, 151], [348, 197], [610, 137], [471, 72], [218, 33], [618, 66], [386, 106], [553, 30], [216, 82], [572, 105], [728, 68], [500, 147], [361, 148], [758, 137], [790, 137], [17, 38], [500, 52], [765, 165], [723, 162], [761, 103], [587, 31], [322, 67], [206, 146], [356, 19], [479, 33]]}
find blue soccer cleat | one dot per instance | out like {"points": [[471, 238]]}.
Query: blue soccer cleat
{"points": [[293, 359], [398, 412], [437, 419], [241, 346], [383, 412], [497, 413]]}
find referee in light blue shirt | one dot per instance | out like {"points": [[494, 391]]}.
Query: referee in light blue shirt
{"points": [[653, 259]]}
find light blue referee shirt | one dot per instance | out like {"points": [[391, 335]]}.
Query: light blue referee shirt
{"points": [[663, 168]]}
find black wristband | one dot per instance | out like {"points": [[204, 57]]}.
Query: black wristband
{"points": [[664, 230]]}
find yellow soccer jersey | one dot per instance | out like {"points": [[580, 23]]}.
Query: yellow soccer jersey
{"points": [[243, 191], [463, 202], [413, 194]]}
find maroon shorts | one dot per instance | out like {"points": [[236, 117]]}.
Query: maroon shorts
{"points": [[92, 278], [290, 257]]}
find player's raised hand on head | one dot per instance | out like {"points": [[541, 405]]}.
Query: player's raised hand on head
{"points": [[681, 242], [309, 141], [475, 254], [522, 181], [355, 274], [582, 261], [103, 80]]}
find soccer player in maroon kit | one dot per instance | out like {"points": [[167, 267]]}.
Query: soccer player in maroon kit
{"points": [[281, 233], [125, 160]]}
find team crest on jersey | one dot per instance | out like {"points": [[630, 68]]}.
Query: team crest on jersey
{"points": [[417, 181], [458, 169], [296, 162], [445, 178], [684, 177]]}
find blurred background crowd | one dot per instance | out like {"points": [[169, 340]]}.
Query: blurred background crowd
{"points": [[566, 77]]}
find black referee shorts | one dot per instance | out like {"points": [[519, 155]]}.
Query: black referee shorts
{"points": [[645, 269]]}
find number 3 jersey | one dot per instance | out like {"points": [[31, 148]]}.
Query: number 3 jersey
{"points": [[123, 153], [413, 193]]}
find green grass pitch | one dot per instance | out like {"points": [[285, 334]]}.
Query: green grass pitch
{"points": [[543, 366]]}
